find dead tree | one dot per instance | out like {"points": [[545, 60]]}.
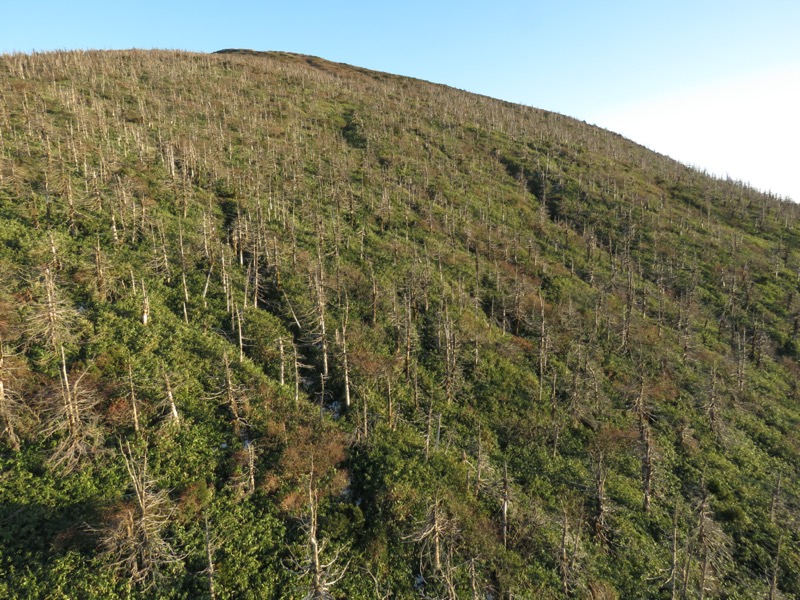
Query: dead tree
{"points": [[320, 335], [568, 550], [341, 337], [134, 401], [712, 547], [506, 499], [133, 540], [435, 534], [451, 347], [9, 406], [607, 442], [543, 345], [645, 447], [321, 572], [70, 415], [145, 305], [234, 397], [174, 416], [775, 568], [184, 286], [283, 360], [51, 317], [210, 571]]}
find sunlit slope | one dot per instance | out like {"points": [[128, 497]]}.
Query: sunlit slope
{"points": [[278, 327]]}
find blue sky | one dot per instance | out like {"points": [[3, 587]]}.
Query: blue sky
{"points": [[712, 83]]}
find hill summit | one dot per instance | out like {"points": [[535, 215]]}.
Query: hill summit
{"points": [[276, 327]]}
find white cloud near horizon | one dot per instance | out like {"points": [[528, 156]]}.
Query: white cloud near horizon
{"points": [[747, 128]]}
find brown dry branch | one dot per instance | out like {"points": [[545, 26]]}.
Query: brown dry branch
{"points": [[133, 539], [70, 415]]}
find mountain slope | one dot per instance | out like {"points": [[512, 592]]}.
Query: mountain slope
{"points": [[279, 327]]}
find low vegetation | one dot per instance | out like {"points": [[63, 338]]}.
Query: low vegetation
{"points": [[275, 327]]}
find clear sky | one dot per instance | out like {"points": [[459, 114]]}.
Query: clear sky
{"points": [[711, 83]]}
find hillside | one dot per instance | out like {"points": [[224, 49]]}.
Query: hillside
{"points": [[276, 327]]}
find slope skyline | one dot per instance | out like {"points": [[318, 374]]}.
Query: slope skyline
{"points": [[632, 69]]}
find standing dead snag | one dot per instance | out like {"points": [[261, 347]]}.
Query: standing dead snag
{"points": [[134, 401], [8, 406], [775, 568], [646, 447], [543, 345], [52, 318], [342, 339], [133, 540], [210, 559], [320, 333], [174, 416], [607, 442], [321, 572], [710, 547], [435, 535], [568, 550], [504, 505], [673, 572], [145, 305], [71, 416], [234, 396], [452, 347], [283, 360], [250, 448], [310, 459]]}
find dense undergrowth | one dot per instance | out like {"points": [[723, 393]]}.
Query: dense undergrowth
{"points": [[276, 327]]}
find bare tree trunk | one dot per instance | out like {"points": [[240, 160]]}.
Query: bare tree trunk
{"points": [[240, 337], [473, 584], [542, 345], [185, 297], [408, 325], [321, 302], [251, 466], [429, 430], [208, 282], [506, 499], [226, 287], [69, 401], [776, 497], [100, 279], [776, 566], [283, 361], [317, 585], [389, 403], [256, 282], [145, 305], [704, 574], [701, 539], [563, 559], [8, 422], [173, 409], [374, 296], [687, 569], [210, 560], [6, 411], [673, 574], [600, 472], [296, 375], [230, 396], [646, 443], [776, 563], [345, 364], [366, 417], [626, 318], [134, 407]]}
